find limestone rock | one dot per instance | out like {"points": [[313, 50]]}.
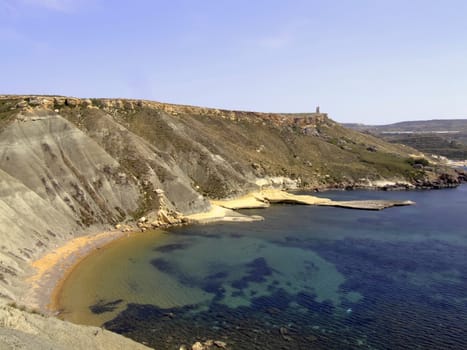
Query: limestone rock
{"points": [[220, 344], [34, 101], [22, 104], [59, 101], [86, 103], [72, 102], [197, 346]]}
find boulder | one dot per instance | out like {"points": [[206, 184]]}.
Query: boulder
{"points": [[197, 346], [220, 344], [22, 104], [59, 101], [34, 101], [72, 102], [86, 103]]}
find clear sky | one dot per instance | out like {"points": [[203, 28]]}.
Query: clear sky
{"points": [[369, 61]]}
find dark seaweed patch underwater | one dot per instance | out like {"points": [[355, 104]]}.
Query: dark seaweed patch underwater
{"points": [[315, 278]]}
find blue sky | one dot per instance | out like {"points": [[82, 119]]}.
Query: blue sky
{"points": [[362, 61]]}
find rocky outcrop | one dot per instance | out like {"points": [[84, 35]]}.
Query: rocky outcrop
{"points": [[443, 180], [256, 200], [461, 175], [207, 345]]}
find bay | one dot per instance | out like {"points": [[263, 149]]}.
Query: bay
{"points": [[306, 277]]}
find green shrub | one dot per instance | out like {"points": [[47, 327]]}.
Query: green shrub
{"points": [[421, 161]]}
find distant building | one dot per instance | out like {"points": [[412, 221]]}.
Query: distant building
{"points": [[309, 121]]}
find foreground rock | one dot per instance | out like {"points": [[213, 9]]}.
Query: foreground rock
{"points": [[207, 345], [23, 330]]}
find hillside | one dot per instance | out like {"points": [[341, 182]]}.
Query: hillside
{"points": [[70, 167], [79, 165], [434, 125], [446, 137]]}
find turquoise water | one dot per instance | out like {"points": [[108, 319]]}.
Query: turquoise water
{"points": [[306, 277]]}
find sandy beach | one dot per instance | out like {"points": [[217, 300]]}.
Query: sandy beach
{"points": [[52, 269]]}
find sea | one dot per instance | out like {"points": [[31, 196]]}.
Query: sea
{"points": [[304, 278]]}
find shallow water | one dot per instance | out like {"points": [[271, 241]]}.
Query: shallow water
{"points": [[306, 277]]}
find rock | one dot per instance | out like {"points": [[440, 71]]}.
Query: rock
{"points": [[256, 166], [284, 333], [220, 344], [59, 101], [86, 103], [118, 226], [22, 104], [461, 176], [34, 101], [118, 104], [72, 102], [142, 219], [197, 346], [183, 347], [128, 105]]}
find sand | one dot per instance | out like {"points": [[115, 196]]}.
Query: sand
{"points": [[53, 268]]}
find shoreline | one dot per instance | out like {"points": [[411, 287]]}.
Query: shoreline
{"points": [[53, 268]]}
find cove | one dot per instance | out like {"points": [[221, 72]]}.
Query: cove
{"points": [[305, 277]]}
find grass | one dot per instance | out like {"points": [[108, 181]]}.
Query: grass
{"points": [[248, 143]]}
